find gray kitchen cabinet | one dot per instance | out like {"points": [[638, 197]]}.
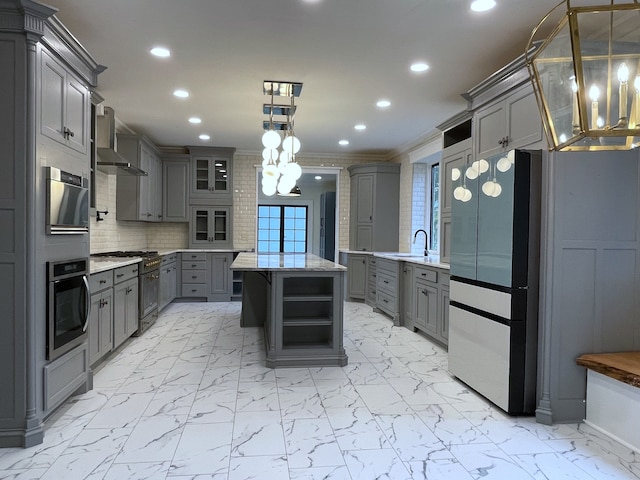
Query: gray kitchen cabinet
{"points": [[219, 275], [388, 298], [100, 326], [443, 309], [211, 175], [168, 280], [372, 281], [375, 202], [455, 156], [194, 273], [175, 188], [236, 283], [210, 227], [137, 196], [357, 276], [406, 288], [510, 122], [125, 303], [430, 302], [426, 307], [65, 105], [305, 322]]}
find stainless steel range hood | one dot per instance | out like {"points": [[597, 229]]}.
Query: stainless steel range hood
{"points": [[110, 161]]}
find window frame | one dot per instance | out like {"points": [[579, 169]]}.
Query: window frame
{"points": [[282, 219]]}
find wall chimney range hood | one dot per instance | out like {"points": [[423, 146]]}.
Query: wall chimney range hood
{"points": [[110, 161]]}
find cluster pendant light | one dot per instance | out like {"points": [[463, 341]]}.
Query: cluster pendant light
{"points": [[280, 171]]}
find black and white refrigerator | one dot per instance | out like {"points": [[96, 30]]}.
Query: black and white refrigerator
{"points": [[493, 308]]}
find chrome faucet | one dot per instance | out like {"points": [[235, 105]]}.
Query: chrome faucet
{"points": [[426, 240]]}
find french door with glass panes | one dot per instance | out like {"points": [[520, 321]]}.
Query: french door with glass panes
{"points": [[282, 229]]}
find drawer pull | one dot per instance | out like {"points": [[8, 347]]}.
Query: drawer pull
{"points": [[118, 275], [194, 276], [193, 266], [385, 300], [103, 281], [385, 281]]}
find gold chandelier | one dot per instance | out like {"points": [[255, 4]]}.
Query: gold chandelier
{"points": [[586, 77]]}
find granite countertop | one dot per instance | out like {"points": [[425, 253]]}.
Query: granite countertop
{"points": [[102, 264], [431, 261], [284, 262]]}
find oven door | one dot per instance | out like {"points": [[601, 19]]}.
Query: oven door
{"points": [[69, 306], [149, 286]]}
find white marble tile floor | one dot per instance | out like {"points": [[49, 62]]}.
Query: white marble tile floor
{"points": [[191, 399]]}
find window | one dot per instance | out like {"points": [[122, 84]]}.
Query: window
{"points": [[425, 209], [434, 229], [282, 228]]}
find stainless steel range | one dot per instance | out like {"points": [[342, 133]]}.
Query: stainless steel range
{"points": [[148, 283]]}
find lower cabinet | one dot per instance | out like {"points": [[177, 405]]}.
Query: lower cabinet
{"points": [[372, 281], [100, 326], [219, 276], [207, 276], [388, 288], [430, 302], [304, 326], [125, 303], [357, 276], [168, 280]]}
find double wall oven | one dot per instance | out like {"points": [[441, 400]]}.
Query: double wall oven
{"points": [[148, 284]]}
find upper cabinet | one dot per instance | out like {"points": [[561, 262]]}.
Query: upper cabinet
{"points": [[175, 188], [508, 123], [211, 175], [65, 105], [375, 203], [139, 197]]}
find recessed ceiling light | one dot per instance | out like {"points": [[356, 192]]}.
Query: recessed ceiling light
{"points": [[419, 67], [181, 93], [482, 5], [360, 126], [383, 103], [195, 120], [318, 177], [343, 142], [204, 136], [161, 52]]}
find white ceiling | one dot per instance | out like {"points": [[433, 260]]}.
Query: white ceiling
{"points": [[348, 54]]}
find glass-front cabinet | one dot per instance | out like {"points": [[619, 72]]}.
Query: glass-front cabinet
{"points": [[210, 227], [211, 174]]}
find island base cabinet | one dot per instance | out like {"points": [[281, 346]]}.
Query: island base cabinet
{"points": [[304, 325]]}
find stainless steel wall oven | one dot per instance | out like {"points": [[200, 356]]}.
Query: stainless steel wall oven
{"points": [[68, 305]]}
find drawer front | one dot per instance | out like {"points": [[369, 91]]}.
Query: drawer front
{"points": [[123, 274], [194, 276], [390, 266], [386, 303], [100, 281], [194, 256], [426, 274], [167, 259], [371, 292], [194, 290], [387, 283], [194, 265]]}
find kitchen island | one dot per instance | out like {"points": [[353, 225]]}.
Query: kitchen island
{"points": [[297, 298]]}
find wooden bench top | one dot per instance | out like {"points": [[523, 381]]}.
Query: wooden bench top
{"points": [[623, 366]]}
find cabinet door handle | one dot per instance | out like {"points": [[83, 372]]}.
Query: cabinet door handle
{"points": [[424, 292], [66, 133], [504, 142]]}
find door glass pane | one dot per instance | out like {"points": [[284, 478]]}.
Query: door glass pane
{"points": [[285, 228]]}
